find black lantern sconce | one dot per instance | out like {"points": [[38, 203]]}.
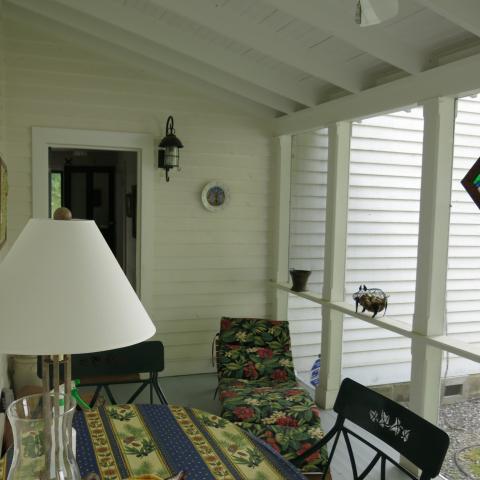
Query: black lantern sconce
{"points": [[169, 149]]}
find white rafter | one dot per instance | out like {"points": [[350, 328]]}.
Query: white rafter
{"points": [[464, 13], [327, 16], [199, 51], [158, 53], [257, 37], [456, 78]]}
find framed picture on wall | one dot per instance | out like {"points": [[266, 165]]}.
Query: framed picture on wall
{"points": [[471, 182], [3, 202]]}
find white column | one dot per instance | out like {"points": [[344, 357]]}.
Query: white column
{"points": [[429, 317], [334, 267], [284, 155]]}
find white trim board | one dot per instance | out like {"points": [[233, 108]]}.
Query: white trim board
{"points": [[442, 342], [454, 79], [338, 168], [284, 155], [142, 143]]}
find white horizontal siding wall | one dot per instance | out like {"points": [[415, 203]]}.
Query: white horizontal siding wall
{"points": [[3, 361], [205, 264], [384, 203], [463, 282], [307, 241]]}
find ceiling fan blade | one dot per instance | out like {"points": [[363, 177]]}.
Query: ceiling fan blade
{"points": [[373, 12]]}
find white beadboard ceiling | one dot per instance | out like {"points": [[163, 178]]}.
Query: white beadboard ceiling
{"points": [[279, 57]]}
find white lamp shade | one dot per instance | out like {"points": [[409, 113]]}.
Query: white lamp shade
{"points": [[377, 11], [63, 291]]}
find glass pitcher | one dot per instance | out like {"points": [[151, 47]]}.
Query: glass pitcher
{"points": [[42, 431]]}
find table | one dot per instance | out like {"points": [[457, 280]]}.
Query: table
{"points": [[122, 441]]}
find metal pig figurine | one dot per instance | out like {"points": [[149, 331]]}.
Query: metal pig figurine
{"points": [[371, 299]]}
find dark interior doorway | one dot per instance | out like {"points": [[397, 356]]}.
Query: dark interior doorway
{"points": [[89, 192], [100, 185]]}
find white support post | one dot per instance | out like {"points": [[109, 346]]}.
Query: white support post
{"points": [[284, 155], [429, 317], [334, 269]]}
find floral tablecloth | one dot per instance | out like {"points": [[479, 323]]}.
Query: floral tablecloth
{"points": [[124, 441]]}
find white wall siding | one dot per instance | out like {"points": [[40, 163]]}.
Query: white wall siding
{"points": [[384, 200], [3, 360], [307, 241], [206, 264], [384, 203], [463, 282]]}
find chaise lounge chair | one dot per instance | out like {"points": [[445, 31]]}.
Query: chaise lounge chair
{"points": [[259, 392]]}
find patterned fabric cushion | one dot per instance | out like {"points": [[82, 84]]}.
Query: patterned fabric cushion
{"points": [[259, 392], [279, 404], [292, 442], [254, 349], [255, 363], [258, 332], [282, 415]]}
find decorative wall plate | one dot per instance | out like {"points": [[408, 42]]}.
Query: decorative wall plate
{"points": [[215, 196]]}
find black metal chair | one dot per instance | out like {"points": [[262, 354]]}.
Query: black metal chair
{"points": [[416, 439], [120, 366]]}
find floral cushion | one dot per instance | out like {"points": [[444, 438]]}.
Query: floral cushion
{"points": [[292, 442], [281, 404], [254, 349], [283, 415], [253, 363], [258, 332], [259, 392]]}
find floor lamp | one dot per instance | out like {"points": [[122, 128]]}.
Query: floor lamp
{"points": [[62, 292]]}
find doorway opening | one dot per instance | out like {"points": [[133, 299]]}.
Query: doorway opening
{"points": [[99, 185]]}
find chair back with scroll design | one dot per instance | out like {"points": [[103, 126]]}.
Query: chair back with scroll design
{"points": [[422, 443]]}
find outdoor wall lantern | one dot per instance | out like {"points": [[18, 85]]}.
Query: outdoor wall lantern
{"points": [[169, 149]]}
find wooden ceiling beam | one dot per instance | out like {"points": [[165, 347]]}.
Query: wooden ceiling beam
{"points": [[199, 51], [329, 17], [457, 78], [257, 37], [163, 57], [464, 13]]}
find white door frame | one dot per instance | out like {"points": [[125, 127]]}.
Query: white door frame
{"points": [[141, 143]]}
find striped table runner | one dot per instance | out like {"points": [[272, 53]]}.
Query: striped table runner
{"points": [[124, 441]]}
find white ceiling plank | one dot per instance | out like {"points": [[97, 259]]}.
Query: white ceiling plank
{"points": [[157, 53], [456, 78], [327, 16], [199, 51], [464, 13], [256, 36], [158, 69]]}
